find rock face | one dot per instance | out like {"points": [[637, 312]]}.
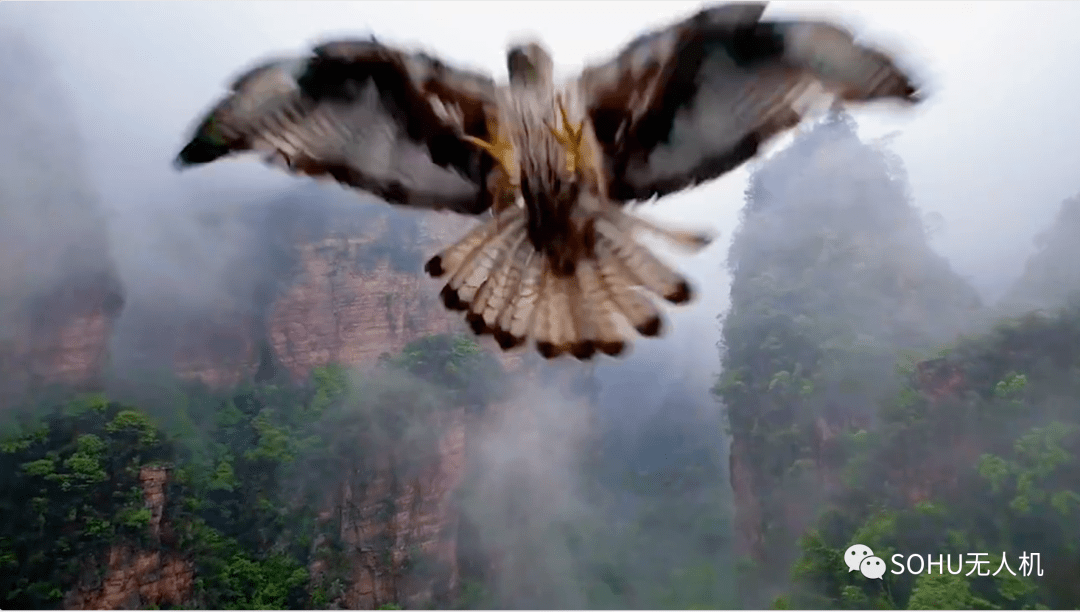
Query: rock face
{"points": [[134, 579], [333, 309], [58, 288], [832, 279], [338, 312], [317, 276], [60, 337], [336, 307], [1049, 281], [314, 275], [408, 512]]}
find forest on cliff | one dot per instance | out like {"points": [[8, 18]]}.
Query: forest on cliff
{"points": [[130, 480], [873, 399], [866, 395], [248, 476], [248, 471]]}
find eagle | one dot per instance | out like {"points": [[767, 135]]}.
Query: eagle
{"points": [[552, 168]]}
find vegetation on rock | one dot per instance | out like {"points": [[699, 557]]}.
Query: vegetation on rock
{"points": [[850, 423], [852, 426], [990, 467], [250, 470]]}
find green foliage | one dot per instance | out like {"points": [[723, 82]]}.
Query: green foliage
{"points": [[330, 383], [855, 426], [268, 584], [250, 469], [400, 246], [397, 241], [452, 361], [832, 282], [474, 595], [1019, 496], [80, 474], [944, 592]]}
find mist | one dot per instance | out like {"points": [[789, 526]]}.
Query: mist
{"points": [[140, 76], [106, 93], [213, 250]]}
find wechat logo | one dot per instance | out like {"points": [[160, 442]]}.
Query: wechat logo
{"points": [[859, 557]]}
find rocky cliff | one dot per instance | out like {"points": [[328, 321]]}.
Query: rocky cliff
{"points": [[402, 529], [58, 289], [260, 285], [832, 280], [132, 578], [221, 287], [342, 303], [1050, 280]]}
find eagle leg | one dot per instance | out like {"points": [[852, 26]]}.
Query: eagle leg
{"points": [[570, 137], [500, 148], [503, 186]]}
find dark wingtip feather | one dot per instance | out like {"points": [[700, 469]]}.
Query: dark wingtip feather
{"points": [[899, 87], [451, 299], [650, 328], [583, 350], [434, 267], [549, 350], [477, 324], [682, 293], [612, 348], [507, 340], [913, 94], [200, 151]]}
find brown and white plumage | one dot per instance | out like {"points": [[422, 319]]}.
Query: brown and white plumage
{"points": [[558, 261]]}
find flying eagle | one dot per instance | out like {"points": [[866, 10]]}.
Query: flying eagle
{"points": [[552, 166]]}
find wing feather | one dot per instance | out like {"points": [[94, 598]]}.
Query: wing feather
{"points": [[372, 117], [690, 102]]}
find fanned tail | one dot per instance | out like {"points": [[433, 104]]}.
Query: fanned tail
{"points": [[509, 290]]}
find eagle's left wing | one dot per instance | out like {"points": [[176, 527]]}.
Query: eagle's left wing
{"points": [[390, 122], [690, 102]]}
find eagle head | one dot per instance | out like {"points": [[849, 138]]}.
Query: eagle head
{"points": [[529, 64]]}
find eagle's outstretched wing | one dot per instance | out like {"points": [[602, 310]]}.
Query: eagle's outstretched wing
{"points": [[379, 119], [687, 103]]}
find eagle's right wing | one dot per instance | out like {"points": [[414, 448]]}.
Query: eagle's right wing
{"points": [[376, 118], [691, 101]]}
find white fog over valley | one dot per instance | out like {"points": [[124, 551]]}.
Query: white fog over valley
{"points": [[876, 234]]}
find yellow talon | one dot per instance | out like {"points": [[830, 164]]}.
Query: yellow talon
{"points": [[570, 138], [501, 149]]}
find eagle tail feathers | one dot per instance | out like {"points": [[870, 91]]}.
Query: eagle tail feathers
{"points": [[510, 291]]}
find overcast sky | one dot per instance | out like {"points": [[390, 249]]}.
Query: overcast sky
{"points": [[994, 150]]}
